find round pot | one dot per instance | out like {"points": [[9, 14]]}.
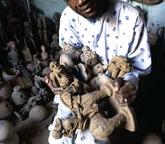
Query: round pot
{"points": [[6, 109], [6, 130], [5, 90], [18, 96], [14, 139], [38, 113], [10, 74]]}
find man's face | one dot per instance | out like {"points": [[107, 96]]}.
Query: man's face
{"points": [[86, 8]]}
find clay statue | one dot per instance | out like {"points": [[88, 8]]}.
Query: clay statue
{"points": [[37, 64], [70, 56], [88, 56], [54, 44], [118, 67], [59, 75], [44, 54], [13, 56], [85, 106]]}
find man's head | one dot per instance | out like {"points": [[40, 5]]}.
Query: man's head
{"points": [[88, 8]]}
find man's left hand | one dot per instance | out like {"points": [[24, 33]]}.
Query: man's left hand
{"points": [[125, 92]]}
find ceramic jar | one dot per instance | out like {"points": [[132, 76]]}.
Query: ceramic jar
{"points": [[14, 139], [10, 74], [38, 113], [6, 130], [18, 96], [6, 109], [5, 90]]}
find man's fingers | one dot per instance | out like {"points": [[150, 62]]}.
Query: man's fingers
{"points": [[126, 98], [126, 88], [118, 83]]}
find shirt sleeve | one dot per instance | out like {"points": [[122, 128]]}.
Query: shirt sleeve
{"points": [[139, 53], [67, 30]]}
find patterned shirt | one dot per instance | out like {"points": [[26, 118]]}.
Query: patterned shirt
{"points": [[119, 32]]}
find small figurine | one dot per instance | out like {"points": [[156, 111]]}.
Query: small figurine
{"points": [[13, 55], [54, 44], [118, 67], [59, 75], [88, 56], [44, 54]]}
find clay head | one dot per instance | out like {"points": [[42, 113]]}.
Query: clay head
{"points": [[88, 8], [43, 48]]}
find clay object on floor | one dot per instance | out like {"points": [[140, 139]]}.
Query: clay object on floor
{"points": [[14, 139], [5, 90], [6, 109], [118, 67], [44, 54], [88, 56], [27, 57], [10, 74], [54, 44], [13, 55], [18, 96], [38, 113], [6, 130]]}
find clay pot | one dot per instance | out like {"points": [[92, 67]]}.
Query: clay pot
{"points": [[10, 74], [5, 90], [6, 130], [6, 109], [14, 139], [38, 113], [18, 96]]}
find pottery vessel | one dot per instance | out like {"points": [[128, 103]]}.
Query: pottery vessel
{"points": [[5, 90], [14, 139], [38, 113], [18, 96], [6, 109], [6, 130], [10, 74]]}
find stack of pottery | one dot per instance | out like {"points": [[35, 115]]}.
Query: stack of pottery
{"points": [[7, 133], [6, 109], [18, 96], [5, 90]]}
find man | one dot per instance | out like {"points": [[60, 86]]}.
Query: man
{"points": [[111, 29]]}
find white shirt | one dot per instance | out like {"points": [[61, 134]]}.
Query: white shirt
{"points": [[119, 32]]}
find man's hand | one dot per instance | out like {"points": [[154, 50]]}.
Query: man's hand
{"points": [[125, 92]]}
